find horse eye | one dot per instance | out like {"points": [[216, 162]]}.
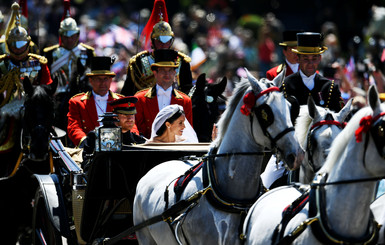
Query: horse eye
{"points": [[380, 131]]}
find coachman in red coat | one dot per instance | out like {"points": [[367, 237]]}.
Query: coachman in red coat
{"points": [[85, 108], [291, 59]]}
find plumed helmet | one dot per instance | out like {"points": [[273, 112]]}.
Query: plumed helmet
{"points": [[18, 36], [68, 27], [162, 31]]}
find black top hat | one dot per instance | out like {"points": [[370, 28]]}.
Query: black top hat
{"points": [[101, 65], [125, 105], [289, 38], [165, 58], [309, 43]]}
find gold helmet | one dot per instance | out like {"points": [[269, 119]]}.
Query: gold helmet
{"points": [[162, 31], [16, 36], [68, 27]]}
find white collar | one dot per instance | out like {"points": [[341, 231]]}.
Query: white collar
{"points": [[308, 81], [98, 97], [161, 91], [293, 67]]}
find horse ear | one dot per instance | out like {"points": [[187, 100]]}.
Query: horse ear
{"points": [[27, 85], [253, 82], [52, 86], [201, 82], [218, 88], [345, 111], [313, 111], [374, 100], [278, 80]]}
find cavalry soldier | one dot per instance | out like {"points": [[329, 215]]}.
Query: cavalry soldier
{"points": [[69, 61], [16, 65], [162, 94], [291, 58], [139, 73], [23, 18], [69, 56]]}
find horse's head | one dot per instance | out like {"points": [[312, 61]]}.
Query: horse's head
{"points": [[316, 128], [273, 113], [363, 139], [38, 119], [204, 98]]}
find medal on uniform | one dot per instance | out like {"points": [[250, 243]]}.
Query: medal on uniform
{"points": [[321, 102]]}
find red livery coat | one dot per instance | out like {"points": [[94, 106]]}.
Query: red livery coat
{"points": [[273, 72], [82, 115]]}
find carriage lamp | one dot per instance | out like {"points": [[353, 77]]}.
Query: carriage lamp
{"points": [[108, 135]]}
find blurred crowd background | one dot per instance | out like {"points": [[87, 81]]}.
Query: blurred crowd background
{"points": [[223, 36]]}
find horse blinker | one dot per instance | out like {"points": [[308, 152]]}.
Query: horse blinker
{"points": [[265, 116]]}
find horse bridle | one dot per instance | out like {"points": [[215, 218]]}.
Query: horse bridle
{"points": [[319, 220], [310, 140], [265, 118]]}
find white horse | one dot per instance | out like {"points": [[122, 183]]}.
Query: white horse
{"points": [[316, 127], [257, 118], [338, 207]]}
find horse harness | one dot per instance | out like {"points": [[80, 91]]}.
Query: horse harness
{"points": [[318, 220], [265, 117], [312, 143]]}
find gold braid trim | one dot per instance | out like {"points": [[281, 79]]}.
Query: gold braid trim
{"points": [[8, 82]]}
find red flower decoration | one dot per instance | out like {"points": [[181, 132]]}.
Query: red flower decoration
{"points": [[249, 102], [364, 127]]}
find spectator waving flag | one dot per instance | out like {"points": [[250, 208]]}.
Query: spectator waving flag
{"points": [[349, 69]]}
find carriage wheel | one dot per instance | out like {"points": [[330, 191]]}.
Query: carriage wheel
{"points": [[44, 231]]}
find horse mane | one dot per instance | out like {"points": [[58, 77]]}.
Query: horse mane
{"points": [[342, 140], [40, 94], [302, 125], [225, 118]]}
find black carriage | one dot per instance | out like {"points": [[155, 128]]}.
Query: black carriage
{"points": [[77, 208]]}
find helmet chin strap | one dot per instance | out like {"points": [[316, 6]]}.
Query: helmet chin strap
{"points": [[21, 56]]}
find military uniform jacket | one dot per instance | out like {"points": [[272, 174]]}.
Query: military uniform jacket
{"points": [[82, 115], [273, 72], [147, 108], [129, 138], [140, 76], [35, 68], [70, 66], [325, 92]]}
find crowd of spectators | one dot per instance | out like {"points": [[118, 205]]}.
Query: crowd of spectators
{"points": [[215, 35]]}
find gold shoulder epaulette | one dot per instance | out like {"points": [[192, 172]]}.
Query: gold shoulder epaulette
{"points": [[3, 56], [280, 68], [43, 60], [82, 93], [48, 49], [133, 58], [87, 46], [185, 57], [142, 90], [116, 95]]}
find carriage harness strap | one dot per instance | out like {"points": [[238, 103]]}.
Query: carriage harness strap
{"points": [[318, 220], [310, 142]]}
